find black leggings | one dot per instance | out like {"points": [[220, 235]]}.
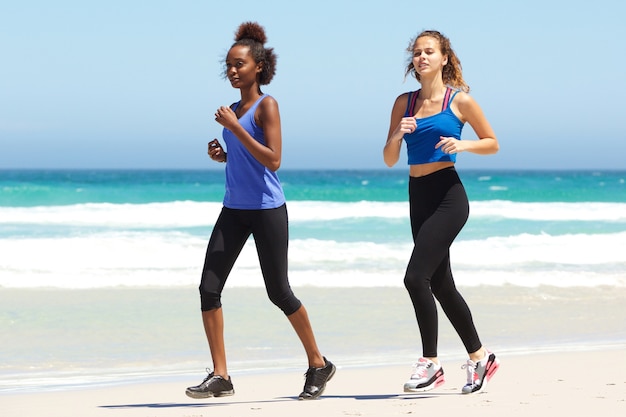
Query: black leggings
{"points": [[439, 209], [270, 230]]}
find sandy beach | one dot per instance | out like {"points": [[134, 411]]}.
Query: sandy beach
{"points": [[575, 383], [562, 353], [100, 311]]}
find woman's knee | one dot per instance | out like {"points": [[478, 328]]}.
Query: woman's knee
{"points": [[209, 300], [446, 293], [416, 283], [286, 301]]}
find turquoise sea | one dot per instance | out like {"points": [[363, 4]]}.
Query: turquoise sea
{"points": [[99, 269], [93, 229]]}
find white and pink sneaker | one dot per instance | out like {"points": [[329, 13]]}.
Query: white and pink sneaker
{"points": [[479, 373], [426, 375]]}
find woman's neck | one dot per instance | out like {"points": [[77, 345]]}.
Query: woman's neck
{"points": [[432, 88], [250, 94]]}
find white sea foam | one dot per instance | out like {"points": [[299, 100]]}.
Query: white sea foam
{"points": [[175, 259], [109, 245], [588, 211], [191, 214]]}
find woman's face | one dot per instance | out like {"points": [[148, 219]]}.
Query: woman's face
{"points": [[427, 56], [241, 69]]}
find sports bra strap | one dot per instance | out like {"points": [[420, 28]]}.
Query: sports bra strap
{"points": [[411, 103], [446, 99]]}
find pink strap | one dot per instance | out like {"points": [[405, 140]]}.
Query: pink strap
{"points": [[411, 109], [446, 99]]}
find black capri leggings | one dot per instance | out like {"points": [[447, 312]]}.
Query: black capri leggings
{"points": [[439, 209], [269, 227]]}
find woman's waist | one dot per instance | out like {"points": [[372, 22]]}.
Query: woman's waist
{"points": [[421, 170]]}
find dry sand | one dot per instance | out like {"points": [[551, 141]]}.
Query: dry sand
{"points": [[582, 383]]}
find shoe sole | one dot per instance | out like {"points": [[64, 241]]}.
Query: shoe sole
{"points": [[436, 383], [202, 395], [492, 367], [322, 388]]}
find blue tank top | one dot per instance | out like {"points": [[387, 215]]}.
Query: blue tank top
{"points": [[249, 184], [420, 144]]}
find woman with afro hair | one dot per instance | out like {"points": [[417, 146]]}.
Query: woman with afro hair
{"points": [[254, 204]]}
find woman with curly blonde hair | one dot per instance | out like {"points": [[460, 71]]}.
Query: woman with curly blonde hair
{"points": [[430, 121]]}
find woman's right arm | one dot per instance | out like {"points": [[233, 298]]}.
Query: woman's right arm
{"points": [[398, 126]]}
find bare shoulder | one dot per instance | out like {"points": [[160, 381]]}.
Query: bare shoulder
{"points": [[465, 101], [268, 103], [402, 98], [467, 108], [401, 101], [267, 112]]}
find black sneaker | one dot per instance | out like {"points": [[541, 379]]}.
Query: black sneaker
{"points": [[212, 386], [316, 379]]}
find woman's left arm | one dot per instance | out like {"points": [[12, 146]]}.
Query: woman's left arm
{"points": [[469, 111], [267, 118]]}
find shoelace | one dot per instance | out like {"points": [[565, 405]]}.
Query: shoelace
{"points": [[470, 367], [209, 376], [420, 369], [309, 376]]}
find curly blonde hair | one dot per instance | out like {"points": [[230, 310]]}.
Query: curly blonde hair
{"points": [[452, 73]]}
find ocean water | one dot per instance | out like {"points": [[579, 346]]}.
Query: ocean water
{"points": [[96, 229], [99, 269]]}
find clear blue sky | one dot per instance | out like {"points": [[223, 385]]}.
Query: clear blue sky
{"points": [[135, 84]]}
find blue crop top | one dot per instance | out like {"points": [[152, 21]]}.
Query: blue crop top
{"points": [[420, 144], [250, 185]]}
